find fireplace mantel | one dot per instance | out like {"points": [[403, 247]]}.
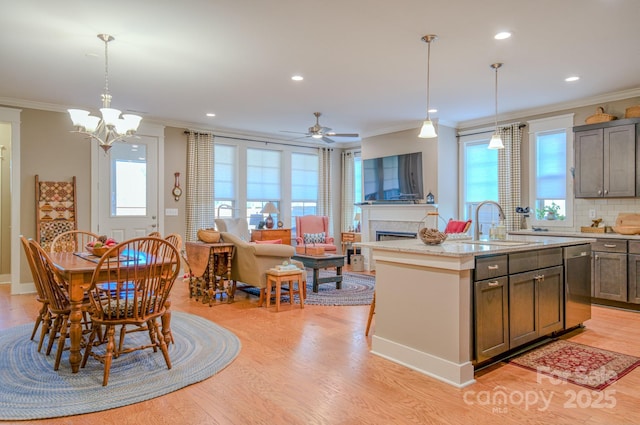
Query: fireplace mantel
{"points": [[390, 217]]}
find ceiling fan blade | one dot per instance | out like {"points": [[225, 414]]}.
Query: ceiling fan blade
{"points": [[294, 132], [343, 134], [327, 140]]}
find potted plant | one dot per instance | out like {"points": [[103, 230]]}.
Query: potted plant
{"points": [[549, 212]]}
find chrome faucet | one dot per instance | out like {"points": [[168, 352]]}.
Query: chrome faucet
{"points": [[476, 229]]}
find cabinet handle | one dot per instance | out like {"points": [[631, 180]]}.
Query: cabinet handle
{"points": [[610, 245], [606, 191], [599, 192], [539, 278], [495, 267], [493, 284]]}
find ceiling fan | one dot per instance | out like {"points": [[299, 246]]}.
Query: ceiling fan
{"points": [[323, 133]]}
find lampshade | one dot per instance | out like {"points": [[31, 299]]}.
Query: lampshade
{"points": [[269, 208], [496, 140], [428, 131]]}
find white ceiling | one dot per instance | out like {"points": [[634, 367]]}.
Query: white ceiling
{"points": [[363, 61]]}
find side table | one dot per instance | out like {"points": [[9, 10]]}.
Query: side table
{"points": [[212, 262]]}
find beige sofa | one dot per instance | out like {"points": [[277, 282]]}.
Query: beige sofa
{"points": [[251, 261]]}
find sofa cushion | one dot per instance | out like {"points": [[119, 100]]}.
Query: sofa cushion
{"points": [[310, 238], [270, 241]]}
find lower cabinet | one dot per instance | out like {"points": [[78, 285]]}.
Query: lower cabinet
{"points": [[492, 317], [536, 304], [633, 293], [610, 276], [513, 309]]}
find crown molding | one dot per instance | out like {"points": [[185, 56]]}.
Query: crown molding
{"points": [[524, 113]]}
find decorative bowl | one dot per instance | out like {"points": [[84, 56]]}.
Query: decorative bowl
{"points": [[101, 250], [209, 235], [431, 236]]}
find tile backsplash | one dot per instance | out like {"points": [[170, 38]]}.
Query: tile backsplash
{"points": [[606, 209]]}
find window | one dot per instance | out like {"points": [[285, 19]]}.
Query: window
{"points": [[550, 148], [263, 182], [304, 186], [224, 179], [129, 180], [357, 176], [479, 181]]}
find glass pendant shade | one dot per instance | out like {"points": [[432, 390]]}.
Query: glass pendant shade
{"points": [[496, 142], [428, 131]]}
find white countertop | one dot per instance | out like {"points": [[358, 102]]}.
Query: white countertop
{"points": [[461, 248], [575, 234]]}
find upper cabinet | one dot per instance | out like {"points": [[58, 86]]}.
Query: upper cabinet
{"points": [[605, 159]]}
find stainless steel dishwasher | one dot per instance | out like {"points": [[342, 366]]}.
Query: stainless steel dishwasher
{"points": [[577, 281]]}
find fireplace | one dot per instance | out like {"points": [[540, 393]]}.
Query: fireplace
{"points": [[385, 235], [399, 220]]}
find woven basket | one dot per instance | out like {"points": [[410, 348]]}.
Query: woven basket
{"points": [[599, 116], [209, 235], [431, 236], [632, 112]]}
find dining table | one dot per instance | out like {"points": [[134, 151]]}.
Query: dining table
{"points": [[77, 269]]}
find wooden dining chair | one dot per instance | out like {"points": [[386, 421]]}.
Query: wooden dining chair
{"points": [[72, 241], [141, 274], [372, 311], [43, 315], [56, 292]]}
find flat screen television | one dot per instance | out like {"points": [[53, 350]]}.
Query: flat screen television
{"points": [[393, 178]]}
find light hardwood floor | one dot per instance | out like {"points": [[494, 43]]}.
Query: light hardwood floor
{"points": [[313, 366]]}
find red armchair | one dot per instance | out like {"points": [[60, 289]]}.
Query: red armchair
{"points": [[313, 226]]}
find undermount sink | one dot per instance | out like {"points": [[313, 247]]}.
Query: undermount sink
{"points": [[500, 243]]}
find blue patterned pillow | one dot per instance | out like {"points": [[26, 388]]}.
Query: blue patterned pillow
{"points": [[313, 238]]}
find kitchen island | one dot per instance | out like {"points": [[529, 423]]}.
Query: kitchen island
{"points": [[424, 300]]}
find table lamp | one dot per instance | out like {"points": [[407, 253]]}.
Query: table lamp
{"points": [[356, 218], [269, 208]]}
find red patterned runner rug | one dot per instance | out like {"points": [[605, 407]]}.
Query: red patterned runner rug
{"points": [[579, 364]]}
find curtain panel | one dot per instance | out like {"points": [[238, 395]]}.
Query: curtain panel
{"points": [[324, 183], [348, 191], [200, 194], [509, 174]]}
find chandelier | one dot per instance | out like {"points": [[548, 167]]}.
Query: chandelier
{"points": [[111, 128], [428, 131], [496, 140]]}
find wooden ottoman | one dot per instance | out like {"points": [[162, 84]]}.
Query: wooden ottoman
{"points": [[288, 277]]}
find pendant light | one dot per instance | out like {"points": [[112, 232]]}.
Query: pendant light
{"points": [[428, 131], [496, 140]]}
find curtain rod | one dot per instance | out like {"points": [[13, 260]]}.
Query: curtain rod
{"points": [[487, 131], [252, 140]]}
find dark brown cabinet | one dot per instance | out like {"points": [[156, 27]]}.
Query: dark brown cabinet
{"points": [[492, 317], [610, 269], [536, 304], [605, 160]]}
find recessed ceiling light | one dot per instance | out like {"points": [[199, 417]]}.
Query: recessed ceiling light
{"points": [[502, 35], [572, 78], [210, 114], [297, 78]]}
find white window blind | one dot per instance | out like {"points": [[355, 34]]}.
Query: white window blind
{"points": [[263, 174], [480, 172], [551, 165], [304, 177], [224, 172]]}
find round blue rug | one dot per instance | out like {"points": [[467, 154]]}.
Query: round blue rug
{"points": [[31, 389]]}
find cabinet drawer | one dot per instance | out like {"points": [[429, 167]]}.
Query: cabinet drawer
{"points": [[634, 247], [538, 259], [609, 245], [549, 257], [489, 267]]}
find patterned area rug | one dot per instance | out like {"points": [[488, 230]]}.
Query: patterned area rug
{"points": [[579, 364], [356, 289], [31, 389]]}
